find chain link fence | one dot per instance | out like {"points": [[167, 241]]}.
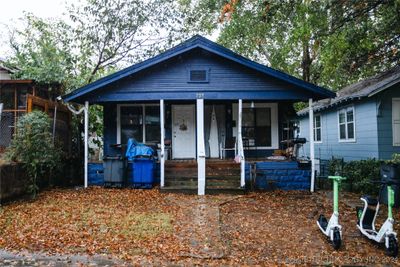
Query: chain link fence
{"points": [[7, 126]]}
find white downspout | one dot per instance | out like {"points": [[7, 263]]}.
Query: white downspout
{"points": [[162, 159], [86, 150], [312, 152], [201, 153]]}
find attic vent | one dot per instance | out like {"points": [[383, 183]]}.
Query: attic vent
{"points": [[198, 76]]}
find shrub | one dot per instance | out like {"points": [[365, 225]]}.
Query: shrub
{"points": [[359, 174], [33, 146]]}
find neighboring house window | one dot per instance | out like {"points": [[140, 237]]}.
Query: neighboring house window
{"points": [[317, 128], [141, 122], [346, 124], [396, 121]]}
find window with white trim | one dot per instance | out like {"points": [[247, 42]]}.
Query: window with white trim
{"points": [[141, 122], [396, 121], [346, 124], [317, 128]]}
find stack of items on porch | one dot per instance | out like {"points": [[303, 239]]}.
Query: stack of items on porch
{"points": [[133, 167]]}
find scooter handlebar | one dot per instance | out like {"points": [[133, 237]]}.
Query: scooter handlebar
{"points": [[386, 182]]}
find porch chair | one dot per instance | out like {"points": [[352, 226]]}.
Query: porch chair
{"points": [[229, 144]]}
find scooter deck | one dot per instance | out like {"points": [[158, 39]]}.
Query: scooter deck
{"points": [[368, 217], [323, 222]]}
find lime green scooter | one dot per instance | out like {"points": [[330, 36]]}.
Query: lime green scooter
{"points": [[332, 229], [367, 215]]}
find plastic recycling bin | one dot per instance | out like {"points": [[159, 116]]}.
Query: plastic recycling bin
{"points": [[141, 173], [114, 170]]}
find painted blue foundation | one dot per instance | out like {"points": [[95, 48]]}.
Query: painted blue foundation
{"points": [[95, 173], [281, 175]]}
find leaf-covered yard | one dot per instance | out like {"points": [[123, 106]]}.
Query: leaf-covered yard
{"points": [[148, 227]]}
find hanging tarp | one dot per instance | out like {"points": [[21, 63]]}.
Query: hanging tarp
{"points": [[135, 149], [213, 140]]}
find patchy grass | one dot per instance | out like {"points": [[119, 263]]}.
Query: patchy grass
{"points": [[93, 221]]}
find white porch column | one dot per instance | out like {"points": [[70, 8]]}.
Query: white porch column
{"points": [[86, 149], [162, 159], [240, 145], [201, 153], [312, 155]]}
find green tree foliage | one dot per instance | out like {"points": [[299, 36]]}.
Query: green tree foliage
{"points": [[33, 146], [331, 43], [99, 37]]}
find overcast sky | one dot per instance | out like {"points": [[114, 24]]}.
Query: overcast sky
{"points": [[11, 10]]}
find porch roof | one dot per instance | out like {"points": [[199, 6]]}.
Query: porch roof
{"points": [[295, 89]]}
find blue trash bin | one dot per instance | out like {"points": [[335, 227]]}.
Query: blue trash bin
{"points": [[141, 174]]}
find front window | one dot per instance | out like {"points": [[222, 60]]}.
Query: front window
{"points": [[346, 124], [317, 128], [256, 129], [152, 124], [140, 122]]}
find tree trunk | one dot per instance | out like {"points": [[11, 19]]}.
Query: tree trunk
{"points": [[306, 62]]}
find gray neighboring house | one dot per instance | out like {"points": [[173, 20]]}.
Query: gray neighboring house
{"points": [[363, 121]]}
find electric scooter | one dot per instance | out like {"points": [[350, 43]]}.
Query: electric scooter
{"points": [[367, 216], [332, 229]]}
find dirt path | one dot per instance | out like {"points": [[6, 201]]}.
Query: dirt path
{"points": [[199, 226]]}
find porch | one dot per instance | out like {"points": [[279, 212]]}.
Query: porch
{"points": [[212, 139]]}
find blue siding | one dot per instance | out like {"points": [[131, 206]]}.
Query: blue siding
{"points": [[227, 80], [366, 144], [385, 131]]}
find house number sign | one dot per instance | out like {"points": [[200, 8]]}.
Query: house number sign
{"points": [[199, 95]]}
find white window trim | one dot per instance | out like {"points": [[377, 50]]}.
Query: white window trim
{"points": [[298, 131], [393, 100], [315, 128], [274, 123], [353, 140], [144, 118]]}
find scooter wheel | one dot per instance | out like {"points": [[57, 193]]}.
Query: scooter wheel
{"points": [[337, 240], [393, 248]]}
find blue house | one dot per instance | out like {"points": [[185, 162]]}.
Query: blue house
{"points": [[202, 105], [362, 122]]}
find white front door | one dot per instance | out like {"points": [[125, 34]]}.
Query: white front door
{"points": [[183, 132]]}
